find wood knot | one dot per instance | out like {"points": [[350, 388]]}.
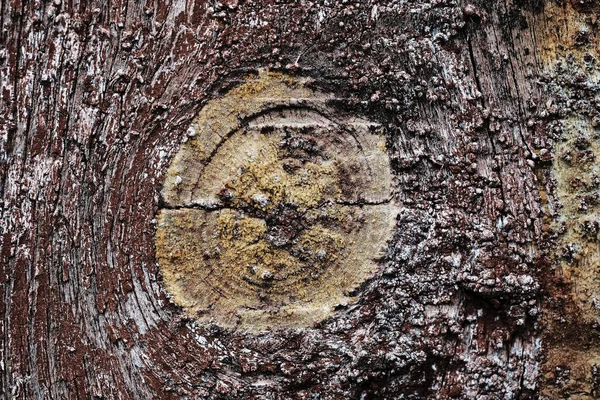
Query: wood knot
{"points": [[275, 209]]}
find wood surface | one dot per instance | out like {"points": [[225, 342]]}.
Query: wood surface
{"points": [[488, 287]]}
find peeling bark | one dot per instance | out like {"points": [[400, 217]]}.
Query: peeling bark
{"points": [[487, 288]]}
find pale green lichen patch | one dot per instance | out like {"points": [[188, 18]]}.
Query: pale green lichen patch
{"points": [[282, 219], [577, 174]]}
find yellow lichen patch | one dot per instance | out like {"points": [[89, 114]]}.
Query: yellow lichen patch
{"points": [[278, 214], [265, 184]]}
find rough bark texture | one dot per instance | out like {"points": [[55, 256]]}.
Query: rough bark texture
{"points": [[494, 231]]}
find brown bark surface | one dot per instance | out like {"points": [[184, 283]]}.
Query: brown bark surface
{"points": [[491, 266]]}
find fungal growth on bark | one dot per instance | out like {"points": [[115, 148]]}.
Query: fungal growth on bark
{"points": [[276, 208]]}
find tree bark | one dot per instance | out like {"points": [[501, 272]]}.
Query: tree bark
{"points": [[488, 285]]}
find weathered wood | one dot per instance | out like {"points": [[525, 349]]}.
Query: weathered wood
{"points": [[276, 208], [474, 99]]}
